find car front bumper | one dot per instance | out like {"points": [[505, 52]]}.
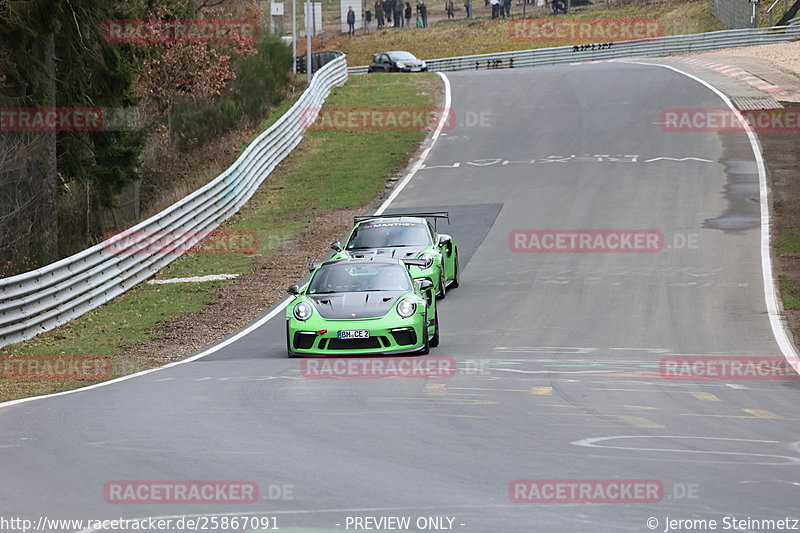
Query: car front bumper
{"points": [[387, 336]]}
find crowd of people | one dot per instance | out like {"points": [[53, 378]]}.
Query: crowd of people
{"points": [[397, 14], [394, 13], [500, 8]]}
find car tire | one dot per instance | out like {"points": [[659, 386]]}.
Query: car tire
{"points": [[456, 276], [288, 345], [426, 347], [434, 342]]}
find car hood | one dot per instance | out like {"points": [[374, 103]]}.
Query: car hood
{"points": [[404, 252], [353, 305]]}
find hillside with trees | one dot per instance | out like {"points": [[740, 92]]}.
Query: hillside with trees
{"points": [[160, 99]]}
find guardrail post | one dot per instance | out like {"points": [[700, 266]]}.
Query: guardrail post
{"points": [[754, 17]]}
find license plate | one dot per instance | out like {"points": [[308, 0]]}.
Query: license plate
{"points": [[354, 334], [415, 69]]}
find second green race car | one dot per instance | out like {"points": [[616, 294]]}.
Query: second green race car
{"points": [[406, 236], [367, 306]]}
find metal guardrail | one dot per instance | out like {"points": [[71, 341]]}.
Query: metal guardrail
{"points": [[43, 299], [655, 47]]}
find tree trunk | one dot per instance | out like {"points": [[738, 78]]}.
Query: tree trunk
{"points": [[48, 206]]}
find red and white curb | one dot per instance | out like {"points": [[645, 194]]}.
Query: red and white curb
{"points": [[729, 70], [736, 73]]}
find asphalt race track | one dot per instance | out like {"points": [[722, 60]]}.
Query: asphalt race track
{"points": [[558, 353]]}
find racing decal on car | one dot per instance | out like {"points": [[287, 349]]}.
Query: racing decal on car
{"points": [[391, 225]]}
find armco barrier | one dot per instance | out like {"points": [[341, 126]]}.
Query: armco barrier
{"points": [[656, 47], [43, 299]]}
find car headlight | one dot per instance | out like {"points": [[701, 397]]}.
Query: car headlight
{"points": [[406, 308], [401, 65], [424, 64], [428, 260], [302, 311]]}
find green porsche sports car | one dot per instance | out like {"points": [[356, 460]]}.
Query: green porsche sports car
{"points": [[403, 237], [369, 306]]}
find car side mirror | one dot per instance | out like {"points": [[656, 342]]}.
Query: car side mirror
{"points": [[425, 284], [294, 290], [336, 246], [443, 239]]}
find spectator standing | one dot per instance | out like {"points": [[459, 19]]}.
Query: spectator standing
{"points": [[408, 15], [507, 8], [495, 8], [467, 8], [351, 22], [448, 7], [423, 12], [379, 14], [398, 14], [387, 11], [367, 19]]}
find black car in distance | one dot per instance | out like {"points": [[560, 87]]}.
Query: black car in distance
{"points": [[397, 61]]}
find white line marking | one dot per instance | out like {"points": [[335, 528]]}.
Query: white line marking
{"points": [[770, 295], [590, 371], [592, 443], [281, 306], [424, 155]]}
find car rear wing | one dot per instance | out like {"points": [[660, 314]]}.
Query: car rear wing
{"points": [[440, 214]]}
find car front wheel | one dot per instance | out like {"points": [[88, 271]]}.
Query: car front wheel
{"points": [[434, 342], [454, 283], [426, 347]]}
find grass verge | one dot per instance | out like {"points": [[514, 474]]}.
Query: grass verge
{"points": [[330, 170], [789, 292]]}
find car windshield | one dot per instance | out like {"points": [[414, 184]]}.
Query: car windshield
{"points": [[389, 235], [402, 56], [359, 278]]}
